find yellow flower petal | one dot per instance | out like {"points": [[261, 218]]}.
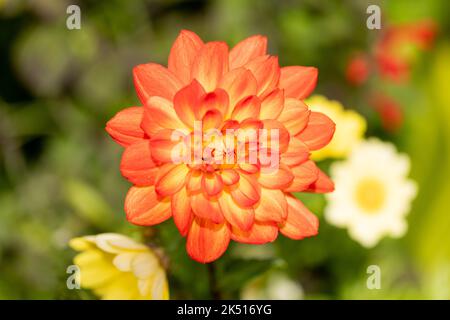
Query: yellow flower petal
{"points": [[95, 268], [144, 265], [121, 288], [124, 260], [116, 267], [350, 127], [81, 244], [116, 243]]}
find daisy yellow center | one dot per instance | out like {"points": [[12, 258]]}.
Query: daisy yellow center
{"points": [[370, 194]]}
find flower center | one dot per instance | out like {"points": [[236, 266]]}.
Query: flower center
{"points": [[370, 194]]}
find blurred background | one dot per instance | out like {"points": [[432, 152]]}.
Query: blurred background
{"points": [[59, 175]]}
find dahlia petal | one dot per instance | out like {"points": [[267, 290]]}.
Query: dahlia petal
{"points": [[125, 126], [247, 191], [183, 53], [152, 79], [210, 64], [297, 152], [300, 222], [137, 164], [266, 71], [206, 208], [164, 147], [238, 83], [181, 211], [282, 144], [275, 178], [216, 100], [318, 132], [194, 181], [249, 168], [171, 179], [229, 176], [304, 175], [259, 233], [323, 184], [212, 120], [159, 114], [237, 216], [212, 183], [250, 123], [144, 207], [230, 125], [297, 81], [207, 241], [294, 116], [272, 105], [186, 101], [247, 108], [247, 50], [272, 206]]}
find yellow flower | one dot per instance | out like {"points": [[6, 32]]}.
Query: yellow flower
{"points": [[116, 267], [372, 193], [350, 127]]}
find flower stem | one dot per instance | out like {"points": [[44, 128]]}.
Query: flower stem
{"points": [[213, 287]]}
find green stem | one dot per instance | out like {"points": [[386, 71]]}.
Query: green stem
{"points": [[213, 287]]}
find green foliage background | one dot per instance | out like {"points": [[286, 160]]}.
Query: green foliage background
{"points": [[59, 174]]}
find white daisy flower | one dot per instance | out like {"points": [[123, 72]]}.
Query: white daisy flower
{"points": [[372, 193]]}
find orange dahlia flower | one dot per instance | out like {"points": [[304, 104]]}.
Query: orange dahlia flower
{"points": [[213, 202]]}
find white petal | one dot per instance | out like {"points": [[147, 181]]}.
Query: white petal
{"points": [[144, 265], [123, 261], [116, 243], [158, 286]]}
